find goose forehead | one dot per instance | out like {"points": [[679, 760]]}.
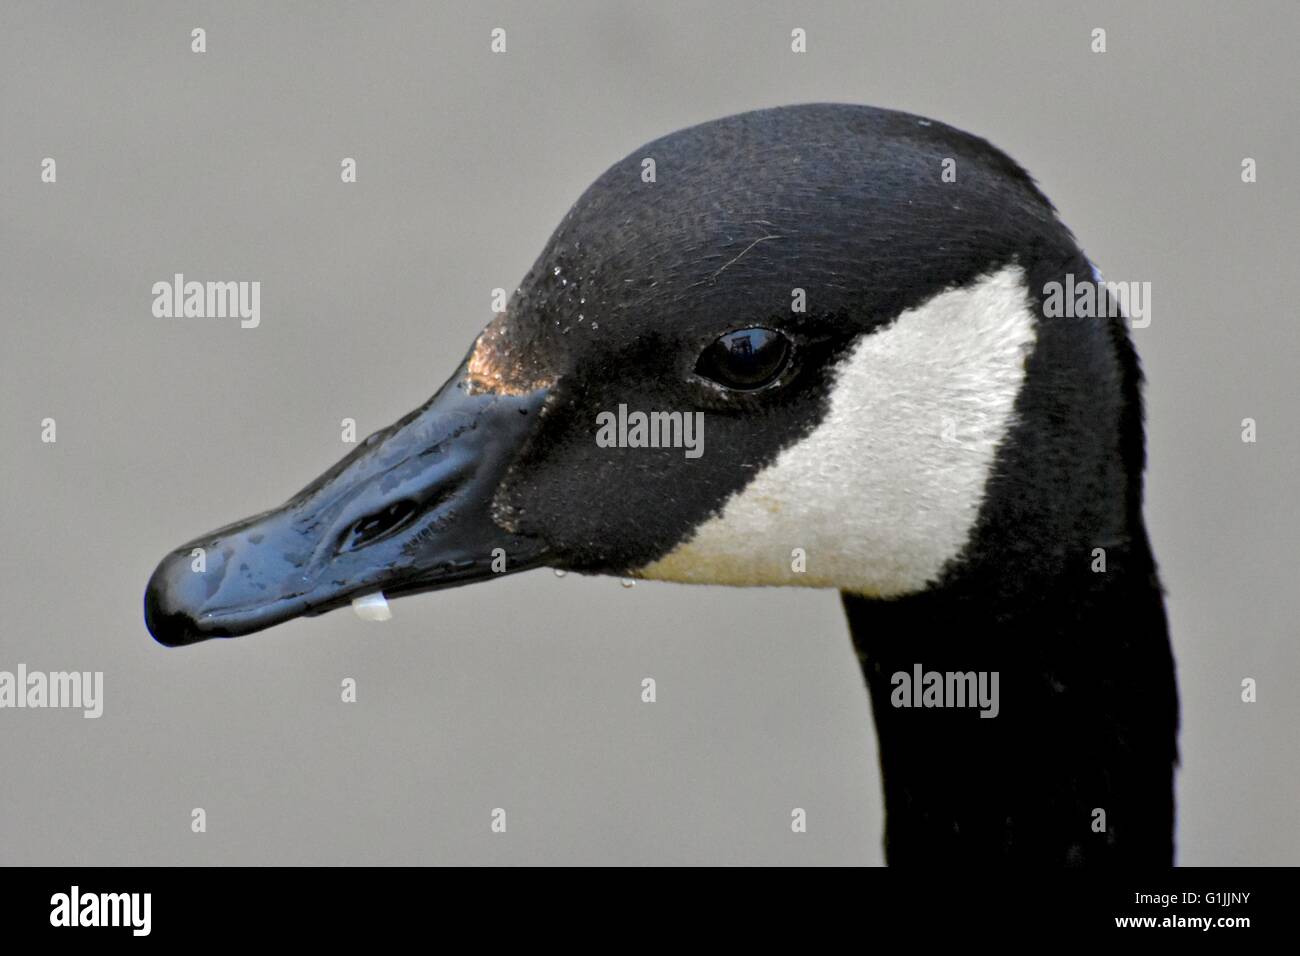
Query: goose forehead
{"points": [[884, 493]]}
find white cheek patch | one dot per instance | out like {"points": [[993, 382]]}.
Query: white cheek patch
{"points": [[884, 493]]}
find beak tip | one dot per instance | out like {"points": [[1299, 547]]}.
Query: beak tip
{"points": [[164, 613]]}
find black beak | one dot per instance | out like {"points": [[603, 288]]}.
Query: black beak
{"points": [[409, 510]]}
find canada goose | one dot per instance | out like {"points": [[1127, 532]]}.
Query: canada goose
{"points": [[920, 435]]}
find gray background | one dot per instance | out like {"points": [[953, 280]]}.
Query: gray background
{"points": [[524, 693]]}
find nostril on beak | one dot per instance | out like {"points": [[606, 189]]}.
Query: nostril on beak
{"points": [[171, 601], [375, 527]]}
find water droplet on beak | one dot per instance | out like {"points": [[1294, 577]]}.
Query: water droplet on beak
{"points": [[372, 607]]}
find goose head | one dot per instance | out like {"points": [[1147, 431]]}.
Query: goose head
{"points": [[839, 340]]}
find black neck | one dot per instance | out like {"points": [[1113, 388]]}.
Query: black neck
{"points": [[1086, 722]]}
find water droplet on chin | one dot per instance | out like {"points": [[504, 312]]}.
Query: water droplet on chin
{"points": [[629, 583], [560, 572]]}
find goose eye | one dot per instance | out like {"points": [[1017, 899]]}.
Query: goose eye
{"points": [[745, 359]]}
